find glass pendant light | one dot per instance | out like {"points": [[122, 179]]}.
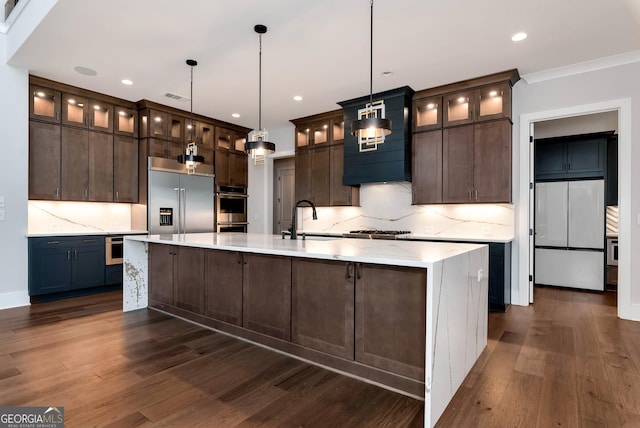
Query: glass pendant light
{"points": [[190, 158], [371, 126], [257, 145]]}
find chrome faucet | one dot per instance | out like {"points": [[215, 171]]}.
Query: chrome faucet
{"points": [[294, 216]]}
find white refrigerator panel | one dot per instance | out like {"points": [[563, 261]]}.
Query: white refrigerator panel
{"points": [[586, 214], [570, 268], [551, 215]]}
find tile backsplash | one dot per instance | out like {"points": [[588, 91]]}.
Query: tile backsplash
{"points": [[72, 217], [388, 207], [612, 219]]}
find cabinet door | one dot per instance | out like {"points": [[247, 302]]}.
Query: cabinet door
{"points": [[44, 161], [427, 168], [427, 113], [157, 148], [494, 101], [75, 110], [459, 108], [174, 150], [550, 160], [390, 319], [75, 164], [457, 164], [341, 195], [189, 289], [586, 158], [223, 286], [88, 263], [176, 128], [44, 104], [224, 138], [204, 134], [161, 274], [222, 168], [322, 306], [266, 292], [303, 174], [238, 164], [125, 121], [125, 169], [158, 126], [49, 269], [101, 116], [100, 167], [320, 172], [492, 162]]}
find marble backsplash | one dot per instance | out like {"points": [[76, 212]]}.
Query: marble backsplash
{"points": [[73, 217], [388, 207]]}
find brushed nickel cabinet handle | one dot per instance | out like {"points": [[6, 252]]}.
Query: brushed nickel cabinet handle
{"points": [[68, 254], [476, 194], [53, 242]]}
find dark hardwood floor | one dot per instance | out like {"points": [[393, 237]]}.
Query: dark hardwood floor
{"points": [[565, 361]]}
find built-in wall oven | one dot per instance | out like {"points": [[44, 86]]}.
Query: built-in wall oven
{"points": [[114, 250], [231, 209]]}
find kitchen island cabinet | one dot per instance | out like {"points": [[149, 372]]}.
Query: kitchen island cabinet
{"points": [[416, 318]]}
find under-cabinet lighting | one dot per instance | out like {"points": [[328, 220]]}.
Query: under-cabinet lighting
{"points": [[462, 100], [493, 93], [96, 107], [40, 94], [159, 119], [431, 106], [122, 113]]}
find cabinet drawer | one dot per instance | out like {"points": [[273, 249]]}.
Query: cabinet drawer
{"points": [[50, 242]]}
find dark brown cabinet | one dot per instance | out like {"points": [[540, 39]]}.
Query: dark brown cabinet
{"points": [[87, 165], [320, 161], [427, 167], [44, 103], [230, 159], [477, 163], [161, 274], [266, 295], [44, 161], [223, 286], [461, 147], [125, 169], [189, 285], [390, 318], [322, 306], [125, 121], [74, 157]]}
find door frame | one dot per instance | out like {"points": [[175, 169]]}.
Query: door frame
{"points": [[626, 308]]}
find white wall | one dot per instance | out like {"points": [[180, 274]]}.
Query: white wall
{"points": [[598, 122], [613, 88], [14, 135]]}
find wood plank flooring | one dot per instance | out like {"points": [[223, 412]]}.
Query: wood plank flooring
{"points": [[565, 361]]}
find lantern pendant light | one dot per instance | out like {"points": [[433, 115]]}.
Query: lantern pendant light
{"points": [[371, 126], [257, 145], [191, 158]]}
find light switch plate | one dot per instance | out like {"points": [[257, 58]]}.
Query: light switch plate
{"points": [[1, 215]]}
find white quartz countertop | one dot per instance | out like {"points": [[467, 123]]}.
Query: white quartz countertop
{"points": [[88, 233], [425, 237], [380, 251]]}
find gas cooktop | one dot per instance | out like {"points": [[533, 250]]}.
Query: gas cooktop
{"points": [[375, 234]]}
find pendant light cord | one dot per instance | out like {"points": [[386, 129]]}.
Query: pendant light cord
{"points": [[371, 64], [191, 111], [260, 85]]}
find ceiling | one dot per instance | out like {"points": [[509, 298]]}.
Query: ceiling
{"points": [[316, 49]]}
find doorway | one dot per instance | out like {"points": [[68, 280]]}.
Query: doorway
{"points": [[283, 193], [570, 175], [627, 309]]}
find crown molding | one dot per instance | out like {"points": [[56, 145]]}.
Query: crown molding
{"points": [[583, 67]]}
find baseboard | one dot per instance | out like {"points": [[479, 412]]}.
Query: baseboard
{"points": [[14, 299]]}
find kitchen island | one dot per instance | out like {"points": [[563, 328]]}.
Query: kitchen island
{"points": [[408, 316]]}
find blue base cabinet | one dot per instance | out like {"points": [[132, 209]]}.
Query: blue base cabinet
{"points": [[61, 264]]}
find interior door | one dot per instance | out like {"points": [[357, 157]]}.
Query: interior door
{"points": [[551, 214], [284, 194]]}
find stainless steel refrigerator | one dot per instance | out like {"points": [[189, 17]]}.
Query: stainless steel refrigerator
{"points": [[180, 203], [570, 234]]}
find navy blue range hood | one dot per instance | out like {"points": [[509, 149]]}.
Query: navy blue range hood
{"points": [[392, 159]]}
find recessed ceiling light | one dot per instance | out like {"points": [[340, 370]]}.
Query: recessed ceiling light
{"points": [[127, 82], [85, 70], [297, 98], [387, 73], [519, 37], [236, 115]]}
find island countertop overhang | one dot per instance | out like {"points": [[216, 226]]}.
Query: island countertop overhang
{"points": [[388, 252]]}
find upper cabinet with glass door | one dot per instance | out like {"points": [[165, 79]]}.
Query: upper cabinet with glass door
{"points": [[44, 103], [319, 130], [81, 111], [125, 121]]}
